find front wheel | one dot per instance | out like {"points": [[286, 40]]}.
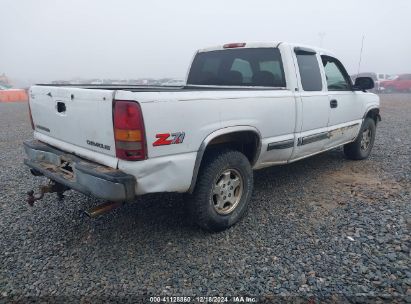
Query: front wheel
{"points": [[223, 190], [362, 146]]}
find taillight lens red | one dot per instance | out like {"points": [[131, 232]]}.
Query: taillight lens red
{"points": [[129, 131]]}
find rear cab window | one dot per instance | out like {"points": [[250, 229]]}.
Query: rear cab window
{"points": [[238, 67]]}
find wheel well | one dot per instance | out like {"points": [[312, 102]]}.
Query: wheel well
{"points": [[247, 142], [374, 114]]}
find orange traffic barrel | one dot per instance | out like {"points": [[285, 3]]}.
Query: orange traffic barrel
{"points": [[13, 95]]}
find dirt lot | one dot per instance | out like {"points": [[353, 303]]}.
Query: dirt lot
{"points": [[323, 227]]}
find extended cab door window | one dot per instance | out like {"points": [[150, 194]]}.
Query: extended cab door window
{"points": [[309, 70], [335, 74]]}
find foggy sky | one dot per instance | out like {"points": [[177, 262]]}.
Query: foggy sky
{"points": [[43, 40]]}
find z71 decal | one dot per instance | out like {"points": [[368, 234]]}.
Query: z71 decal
{"points": [[165, 139]]}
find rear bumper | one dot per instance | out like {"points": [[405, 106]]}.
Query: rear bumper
{"points": [[79, 174]]}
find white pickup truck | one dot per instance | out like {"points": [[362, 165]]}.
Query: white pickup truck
{"points": [[245, 106]]}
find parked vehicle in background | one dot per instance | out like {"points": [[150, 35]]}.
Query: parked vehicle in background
{"points": [[401, 83], [60, 82], [246, 106], [174, 82], [97, 81]]}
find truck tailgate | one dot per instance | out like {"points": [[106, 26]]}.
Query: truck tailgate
{"points": [[80, 117]]}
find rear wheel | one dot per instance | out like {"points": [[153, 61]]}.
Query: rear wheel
{"points": [[223, 190], [362, 146]]}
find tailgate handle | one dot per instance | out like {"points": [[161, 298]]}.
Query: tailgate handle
{"points": [[61, 107]]}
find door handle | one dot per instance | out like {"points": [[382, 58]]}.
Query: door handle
{"points": [[333, 103]]}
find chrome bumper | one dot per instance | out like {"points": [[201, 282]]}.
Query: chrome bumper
{"points": [[79, 174]]}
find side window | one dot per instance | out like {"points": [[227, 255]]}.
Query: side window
{"points": [[335, 74], [309, 71]]}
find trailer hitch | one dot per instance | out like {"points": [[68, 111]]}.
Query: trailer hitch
{"points": [[51, 187]]}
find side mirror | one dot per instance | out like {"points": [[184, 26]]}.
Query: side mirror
{"points": [[363, 83]]}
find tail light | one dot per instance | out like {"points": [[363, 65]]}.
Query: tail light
{"points": [[129, 131], [31, 116]]}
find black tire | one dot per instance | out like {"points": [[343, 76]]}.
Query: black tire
{"points": [[358, 150], [216, 166]]}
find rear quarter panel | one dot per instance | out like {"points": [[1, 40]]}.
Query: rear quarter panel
{"points": [[200, 113]]}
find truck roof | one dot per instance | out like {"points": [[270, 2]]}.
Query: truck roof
{"points": [[260, 44]]}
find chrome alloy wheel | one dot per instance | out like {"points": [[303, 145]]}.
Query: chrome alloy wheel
{"points": [[366, 139], [227, 191]]}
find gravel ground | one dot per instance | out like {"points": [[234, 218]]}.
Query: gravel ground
{"points": [[324, 227]]}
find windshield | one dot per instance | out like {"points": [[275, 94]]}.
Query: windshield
{"points": [[238, 67]]}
